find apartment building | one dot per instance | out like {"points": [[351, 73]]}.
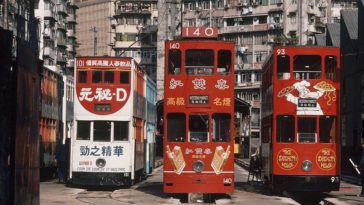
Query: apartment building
{"points": [[135, 27], [94, 31], [57, 24], [255, 26]]}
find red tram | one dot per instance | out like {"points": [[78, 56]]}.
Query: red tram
{"points": [[300, 119], [198, 116]]}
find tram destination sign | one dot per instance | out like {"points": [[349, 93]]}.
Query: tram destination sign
{"points": [[307, 102], [199, 99]]}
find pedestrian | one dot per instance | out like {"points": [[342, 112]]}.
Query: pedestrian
{"points": [[360, 166], [61, 162]]}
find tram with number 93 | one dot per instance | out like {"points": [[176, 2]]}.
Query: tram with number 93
{"points": [[301, 119]]}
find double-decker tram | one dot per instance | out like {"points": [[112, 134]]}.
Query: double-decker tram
{"points": [[198, 114], [301, 119], [109, 121]]}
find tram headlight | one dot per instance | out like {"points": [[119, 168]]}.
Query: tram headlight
{"points": [[198, 166], [306, 165], [100, 163]]}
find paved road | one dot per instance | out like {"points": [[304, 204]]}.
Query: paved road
{"points": [[150, 192]]}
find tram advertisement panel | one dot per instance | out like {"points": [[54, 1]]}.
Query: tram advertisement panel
{"points": [[90, 157], [103, 85]]}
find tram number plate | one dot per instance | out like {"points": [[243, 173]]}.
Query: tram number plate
{"points": [[227, 181], [199, 99], [307, 102]]}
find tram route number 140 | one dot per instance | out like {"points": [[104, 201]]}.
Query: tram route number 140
{"points": [[199, 32]]}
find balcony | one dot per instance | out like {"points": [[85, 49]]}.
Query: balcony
{"points": [[61, 58], [48, 33], [61, 26], [126, 29], [71, 18], [126, 44], [70, 62], [231, 29], [61, 8], [48, 51], [49, 14], [61, 42], [70, 48], [70, 33], [146, 10]]}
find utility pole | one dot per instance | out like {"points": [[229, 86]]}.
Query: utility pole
{"points": [[94, 30]]}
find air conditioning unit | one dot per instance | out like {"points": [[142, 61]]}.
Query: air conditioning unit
{"points": [[227, 6], [198, 9], [243, 49], [271, 40]]}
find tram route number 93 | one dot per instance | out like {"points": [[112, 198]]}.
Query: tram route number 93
{"points": [[281, 51]]}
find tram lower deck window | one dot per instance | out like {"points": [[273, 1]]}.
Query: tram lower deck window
{"points": [[306, 130], [221, 127], [102, 131], [327, 129], [285, 128], [176, 127], [198, 128], [121, 131], [83, 130]]}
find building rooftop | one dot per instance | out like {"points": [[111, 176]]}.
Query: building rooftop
{"points": [[320, 39], [333, 30], [350, 19]]}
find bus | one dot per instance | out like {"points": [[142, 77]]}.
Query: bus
{"points": [[108, 147], [198, 115], [300, 119]]}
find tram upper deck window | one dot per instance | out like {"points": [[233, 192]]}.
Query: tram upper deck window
{"points": [[102, 131], [199, 62], [221, 127], [174, 62], [285, 128], [109, 76], [330, 67], [198, 128], [223, 62], [283, 71], [327, 129], [82, 76], [307, 67], [124, 77], [96, 76], [121, 131], [306, 130], [83, 130], [176, 127]]}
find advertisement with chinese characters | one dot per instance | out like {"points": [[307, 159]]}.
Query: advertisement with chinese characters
{"points": [[116, 157]]}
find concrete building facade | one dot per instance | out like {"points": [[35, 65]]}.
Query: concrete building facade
{"points": [[94, 32]]}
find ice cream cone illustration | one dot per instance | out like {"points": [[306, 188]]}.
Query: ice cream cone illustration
{"points": [[220, 158], [176, 158]]}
